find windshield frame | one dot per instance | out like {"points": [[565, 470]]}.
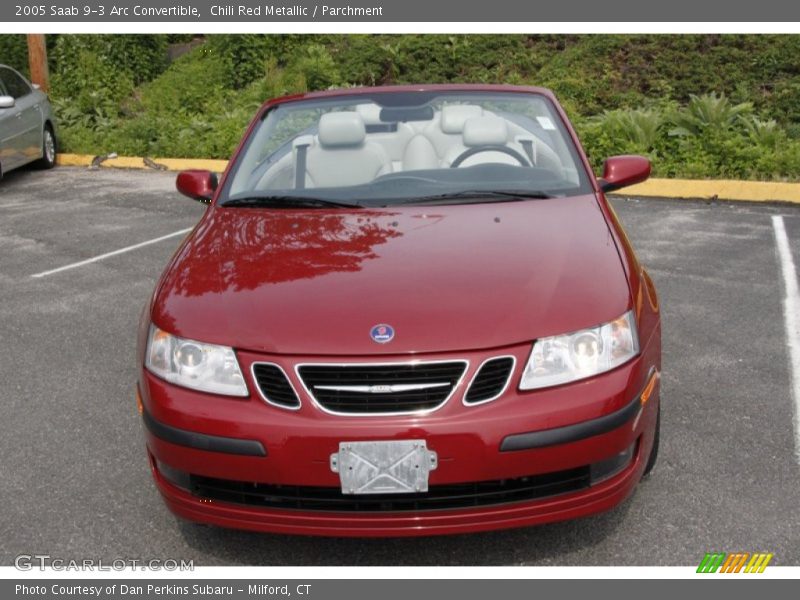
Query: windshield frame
{"points": [[566, 133]]}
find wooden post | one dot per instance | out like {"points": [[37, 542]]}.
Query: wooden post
{"points": [[37, 61]]}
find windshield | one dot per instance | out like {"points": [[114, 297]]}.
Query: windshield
{"points": [[389, 148]]}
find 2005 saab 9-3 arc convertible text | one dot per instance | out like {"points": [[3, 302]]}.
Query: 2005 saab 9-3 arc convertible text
{"points": [[406, 311]]}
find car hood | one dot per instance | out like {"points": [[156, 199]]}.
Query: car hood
{"points": [[446, 278]]}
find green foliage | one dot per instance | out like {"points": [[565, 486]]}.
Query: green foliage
{"points": [[14, 52], [317, 67], [186, 112], [641, 128], [93, 75], [90, 92], [763, 133], [731, 101], [715, 140], [708, 114], [140, 57], [245, 56]]}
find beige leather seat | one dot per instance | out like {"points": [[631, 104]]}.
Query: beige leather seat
{"points": [[445, 130], [393, 142], [431, 144], [484, 131], [419, 154], [341, 155]]}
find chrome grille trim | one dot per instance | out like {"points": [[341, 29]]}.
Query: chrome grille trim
{"points": [[288, 380], [426, 411], [381, 389], [477, 372]]}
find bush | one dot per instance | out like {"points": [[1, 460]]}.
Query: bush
{"points": [[244, 57], [731, 101], [140, 57], [187, 112], [708, 114], [316, 67], [14, 52]]}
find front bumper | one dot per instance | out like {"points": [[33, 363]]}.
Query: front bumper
{"points": [[519, 435]]}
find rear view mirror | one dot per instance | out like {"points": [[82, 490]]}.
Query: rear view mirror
{"points": [[197, 184], [622, 171], [6, 102]]}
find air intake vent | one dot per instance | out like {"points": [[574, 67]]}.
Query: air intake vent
{"points": [[448, 496], [490, 381], [382, 388], [274, 386]]}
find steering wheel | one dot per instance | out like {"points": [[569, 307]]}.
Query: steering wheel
{"points": [[524, 162]]}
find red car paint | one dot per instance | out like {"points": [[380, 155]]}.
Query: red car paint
{"points": [[456, 282]]}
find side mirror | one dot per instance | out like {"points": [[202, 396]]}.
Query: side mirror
{"points": [[622, 171], [7, 102], [197, 184]]}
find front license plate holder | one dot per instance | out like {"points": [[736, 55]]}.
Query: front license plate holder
{"points": [[384, 467]]}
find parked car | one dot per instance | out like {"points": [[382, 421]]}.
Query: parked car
{"points": [[27, 125], [406, 311]]}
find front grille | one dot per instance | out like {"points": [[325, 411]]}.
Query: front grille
{"points": [[490, 380], [274, 386], [438, 497], [367, 388]]}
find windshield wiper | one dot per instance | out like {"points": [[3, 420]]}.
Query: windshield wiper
{"points": [[480, 196], [288, 202]]}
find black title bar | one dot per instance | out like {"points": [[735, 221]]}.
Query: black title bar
{"points": [[386, 11]]}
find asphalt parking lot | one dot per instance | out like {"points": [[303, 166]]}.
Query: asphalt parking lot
{"points": [[75, 480]]}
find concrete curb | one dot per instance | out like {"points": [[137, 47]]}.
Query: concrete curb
{"points": [[137, 162], [717, 189]]}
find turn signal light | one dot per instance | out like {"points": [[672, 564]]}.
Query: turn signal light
{"points": [[648, 389]]}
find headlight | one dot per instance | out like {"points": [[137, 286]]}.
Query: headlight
{"points": [[204, 367], [563, 358]]}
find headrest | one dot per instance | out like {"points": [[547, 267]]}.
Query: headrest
{"points": [[454, 116], [341, 129], [370, 113], [485, 131]]}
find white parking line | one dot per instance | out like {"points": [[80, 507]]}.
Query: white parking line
{"points": [[113, 253], [791, 315]]}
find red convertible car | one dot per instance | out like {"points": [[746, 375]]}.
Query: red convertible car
{"points": [[406, 311]]}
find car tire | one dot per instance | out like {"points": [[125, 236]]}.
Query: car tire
{"points": [[48, 160], [651, 460]]}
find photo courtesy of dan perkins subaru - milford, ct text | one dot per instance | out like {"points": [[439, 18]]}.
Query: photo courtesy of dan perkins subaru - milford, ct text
{"points": [[294, 10]]}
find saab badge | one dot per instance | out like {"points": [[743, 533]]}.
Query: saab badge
{"points": [[382, 334]]}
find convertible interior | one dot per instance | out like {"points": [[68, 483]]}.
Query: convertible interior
{"points": [[361, 143]]}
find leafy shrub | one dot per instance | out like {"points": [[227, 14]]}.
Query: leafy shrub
{"points": [[317, 67], [90, 91], [14, 52], [245, 56], [764, 133], [732, 100], [640, 127], [93, 75], [708, 114], [140, 57]]}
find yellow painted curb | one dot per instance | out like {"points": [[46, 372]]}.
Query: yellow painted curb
{"points": [[137, 162], [722, 189]]}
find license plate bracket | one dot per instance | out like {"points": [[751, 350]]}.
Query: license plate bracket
{"points": [[384, 467]]}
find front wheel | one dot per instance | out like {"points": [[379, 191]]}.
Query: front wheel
{"points": [[48, 160]]}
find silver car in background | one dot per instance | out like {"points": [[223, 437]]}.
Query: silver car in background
{"points": [[27, 126]]}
